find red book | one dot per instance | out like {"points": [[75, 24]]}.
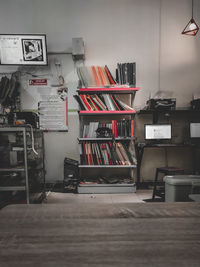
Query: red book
{"points": [[114, 102], [109, 158], [103, 80], [113, 127], [86, 163], [116, 129], [132, 129], [109, 75], [100, 104], [90, 154], [97, 108], [83, 97], [95, 76], [87, 152]]}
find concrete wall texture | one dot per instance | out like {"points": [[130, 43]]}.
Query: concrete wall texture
{"points": [[145, 31]]}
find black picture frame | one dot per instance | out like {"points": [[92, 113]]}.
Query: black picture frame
{"points": [[23, 49]]}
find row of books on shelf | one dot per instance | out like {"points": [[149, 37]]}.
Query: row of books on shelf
{"points": [[118, 128], [107, 153], [126, 73], [101, 102], [98, 76], [95, 76]]}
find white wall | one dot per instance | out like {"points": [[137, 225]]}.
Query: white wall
{"points": [[113, 31], [180, 54]]}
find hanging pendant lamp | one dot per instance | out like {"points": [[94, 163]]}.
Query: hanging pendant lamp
{"points": [[192, 27]]}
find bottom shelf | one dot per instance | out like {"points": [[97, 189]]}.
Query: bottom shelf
{"points": [[12, 188], [106, 188]]}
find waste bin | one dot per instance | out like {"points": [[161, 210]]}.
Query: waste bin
{"points": [[178, 187]]}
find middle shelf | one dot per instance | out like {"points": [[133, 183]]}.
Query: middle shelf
{"points": [[106, 112], [106, 90], [107, 166], [82, 139]]}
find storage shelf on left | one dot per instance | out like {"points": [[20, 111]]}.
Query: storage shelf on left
{"points": [[16, 165], [12, 188]]}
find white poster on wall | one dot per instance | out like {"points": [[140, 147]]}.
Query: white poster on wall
{"points": [[23, 49], [53, 115]]}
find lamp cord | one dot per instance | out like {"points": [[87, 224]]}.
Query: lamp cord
{"points": [[159, 48], [192, 8]]}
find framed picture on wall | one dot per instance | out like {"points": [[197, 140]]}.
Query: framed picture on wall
{"points": [[23, 49]]}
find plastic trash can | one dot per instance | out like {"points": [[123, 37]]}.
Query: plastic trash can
{"points": [[178, 187]]}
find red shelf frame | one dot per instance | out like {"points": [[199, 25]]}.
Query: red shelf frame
{"points": [[110, 112], [109, 89]]}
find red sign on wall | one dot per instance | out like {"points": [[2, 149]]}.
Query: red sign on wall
{"points": [[38, 82]]}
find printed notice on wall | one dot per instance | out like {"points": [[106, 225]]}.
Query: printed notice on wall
{"points": [[53, 115]]}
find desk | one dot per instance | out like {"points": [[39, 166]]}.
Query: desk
{"points": [[140, 151]]}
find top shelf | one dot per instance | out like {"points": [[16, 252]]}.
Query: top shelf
{"points": [[115, 90], [177, 110]]}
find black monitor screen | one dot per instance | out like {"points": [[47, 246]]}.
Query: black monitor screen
{"points": [[158, 131], [23, 49], [195, 130]]}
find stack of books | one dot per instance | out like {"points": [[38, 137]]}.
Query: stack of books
{"points": [[93, 76], [106, 153], [120, 128], [123, 128], [126, 73], [101, 102], [98, 76]]}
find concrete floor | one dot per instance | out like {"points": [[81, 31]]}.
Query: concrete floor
{"points": [[59, 198]]}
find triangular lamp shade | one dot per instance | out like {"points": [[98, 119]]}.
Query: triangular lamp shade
{"points": [[191, 28]]}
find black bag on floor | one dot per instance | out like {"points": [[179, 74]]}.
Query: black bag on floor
{"points": [[71, 175]]}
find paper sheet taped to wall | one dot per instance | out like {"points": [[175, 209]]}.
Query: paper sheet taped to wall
{"points": [[53, 115]]}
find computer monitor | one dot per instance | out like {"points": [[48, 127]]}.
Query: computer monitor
{"points": [[195, 130], [158, 131], [23, 49]]}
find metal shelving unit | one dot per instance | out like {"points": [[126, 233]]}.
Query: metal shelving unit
{"points": [[85, 115], [22, 133]]}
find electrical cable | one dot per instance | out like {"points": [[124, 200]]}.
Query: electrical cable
{"points": [[32, 139]]}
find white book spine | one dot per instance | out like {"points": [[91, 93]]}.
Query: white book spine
{"points": [[108, 102]]}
